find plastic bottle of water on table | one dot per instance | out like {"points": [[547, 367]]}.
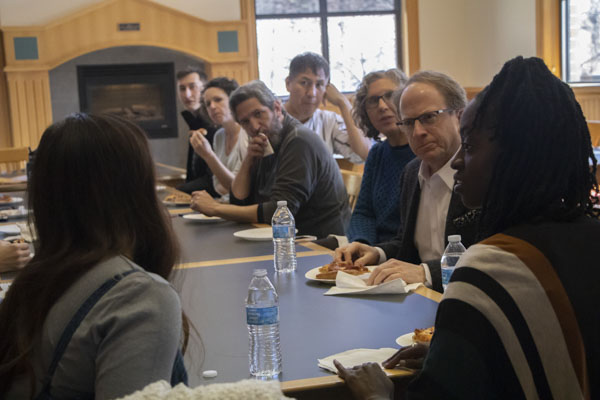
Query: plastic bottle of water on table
{"points": [[262, 317], [450, 258], [284, 238]]}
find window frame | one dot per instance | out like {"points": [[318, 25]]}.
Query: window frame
{"points": [[323, 15]]}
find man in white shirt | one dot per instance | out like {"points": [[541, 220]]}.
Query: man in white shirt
{"points": [[430, 108], [309, 87]]}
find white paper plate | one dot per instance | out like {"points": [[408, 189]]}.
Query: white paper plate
{"points": [[13, 200], [13, 214], [256, 234], [10, 229], [161, 188], [198, 217], [312, 275], [405, 340]]}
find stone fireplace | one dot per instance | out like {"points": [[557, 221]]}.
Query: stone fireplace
{"points": [[66, 93]]}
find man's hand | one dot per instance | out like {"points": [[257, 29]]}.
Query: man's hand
{"points": [[200, 144], [394, 269], [408, 357], [13, 255], [257, 146], [358, 253], [367, 381], [335, 97], [204, 203]]}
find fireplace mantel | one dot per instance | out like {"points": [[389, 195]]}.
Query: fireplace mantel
{"points": [[97, 27]]}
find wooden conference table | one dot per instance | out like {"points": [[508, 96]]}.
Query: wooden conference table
{"points": [[213, 281]]}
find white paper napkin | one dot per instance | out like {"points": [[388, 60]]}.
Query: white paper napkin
{"points": [[354, 357], [347, 284]]}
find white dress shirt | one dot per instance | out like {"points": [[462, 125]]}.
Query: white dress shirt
{"points": [[430, 227], [436, 191]]}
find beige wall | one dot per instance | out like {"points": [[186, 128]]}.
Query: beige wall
{"points": [[468, 39], [471, 39], [40, 12]]}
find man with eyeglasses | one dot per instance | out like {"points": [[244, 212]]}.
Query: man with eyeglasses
{"points": [[285, 161], [309, 87], [430, 107]]}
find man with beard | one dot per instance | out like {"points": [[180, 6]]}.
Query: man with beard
{"points": [[285, 161]]}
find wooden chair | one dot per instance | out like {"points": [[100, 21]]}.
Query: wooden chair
{"points": [[352, 182], [344, 164], [594, 127], [13, 159]]}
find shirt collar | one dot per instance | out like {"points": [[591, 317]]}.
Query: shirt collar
{"points": [[446, 174]]}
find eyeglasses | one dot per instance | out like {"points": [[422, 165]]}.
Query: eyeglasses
{"points": [[425, 119], [373, 101]]}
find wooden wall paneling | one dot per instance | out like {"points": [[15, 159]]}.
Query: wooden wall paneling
{"points": [[95, 28], [410, 37], [472, 92], [238, 71], [248, 15], [589, 99], [30, 107], [5, 136], [548, 34]]}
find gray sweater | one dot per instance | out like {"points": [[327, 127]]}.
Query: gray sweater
{"points": [[128, 340], [302, 172]]}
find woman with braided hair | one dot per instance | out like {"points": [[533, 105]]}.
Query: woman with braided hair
{"points": [[520, 317]]}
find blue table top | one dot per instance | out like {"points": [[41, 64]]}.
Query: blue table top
{"points": [[312, 325]]}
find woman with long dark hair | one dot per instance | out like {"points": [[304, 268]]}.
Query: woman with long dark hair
{"points": [[92, 314], [520, 317]]}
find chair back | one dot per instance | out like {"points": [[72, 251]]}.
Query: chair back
{"points": [[594, 127], [352, 181], [13, 158]]}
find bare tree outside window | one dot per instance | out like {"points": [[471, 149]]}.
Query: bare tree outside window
{"points": [[355, 36], [581, 21]]}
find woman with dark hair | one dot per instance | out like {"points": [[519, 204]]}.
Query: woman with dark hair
{"points": [[92, 315], [520, 317], [230, 141], [376, 215]]}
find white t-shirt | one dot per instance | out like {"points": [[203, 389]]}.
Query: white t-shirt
{"points": [[331, 128], [233, 160]]}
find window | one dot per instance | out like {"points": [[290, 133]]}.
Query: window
{"points": [[355, 36], [581, 41]]}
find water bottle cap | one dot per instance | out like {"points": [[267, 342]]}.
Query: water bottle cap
{"points": [[454, 238], [282, 203], [260, 272]]}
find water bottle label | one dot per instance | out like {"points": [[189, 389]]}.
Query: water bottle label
{"points": [[283, 232], [262, 316], [447, 274]]}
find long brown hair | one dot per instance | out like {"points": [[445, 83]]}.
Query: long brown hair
{"points": [[92, 193]]}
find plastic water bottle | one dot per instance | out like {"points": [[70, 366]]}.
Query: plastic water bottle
{"points": [[450, 257], [284, 234], [262, 317]]}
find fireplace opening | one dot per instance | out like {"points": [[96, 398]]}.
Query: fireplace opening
{"points": [[143, 93]]}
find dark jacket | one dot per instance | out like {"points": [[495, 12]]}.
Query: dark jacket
{"points": [[198, 175], [460, 221]]}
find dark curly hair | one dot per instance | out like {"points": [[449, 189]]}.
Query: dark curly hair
{"points": [[359, 111], [544, 148], [225, 84]]}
